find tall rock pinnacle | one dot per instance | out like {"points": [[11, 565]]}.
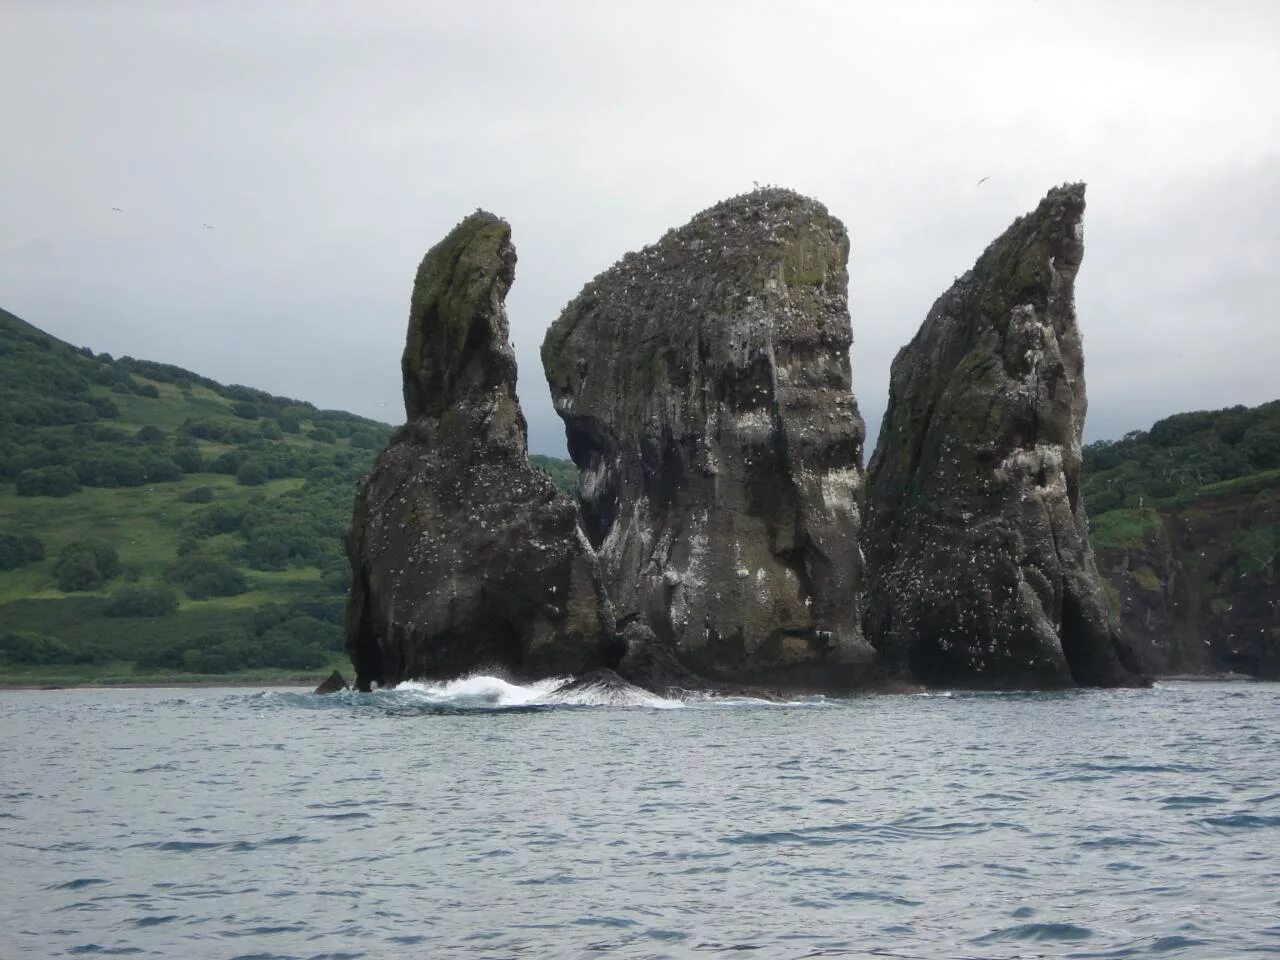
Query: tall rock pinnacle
{"points": [[463, 556], [977, 544], [705, 387], [458, 346]]}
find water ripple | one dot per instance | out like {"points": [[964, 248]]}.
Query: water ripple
{"points": [[480, 820]]}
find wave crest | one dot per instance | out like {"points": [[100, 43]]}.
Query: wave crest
{"points": [[487, 692]]}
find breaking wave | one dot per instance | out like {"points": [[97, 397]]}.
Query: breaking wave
{"points": [[477, 691], [478, 694], [488, 692]]}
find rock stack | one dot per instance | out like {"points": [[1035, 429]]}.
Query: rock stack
{"points": [[705, 388], [463, 556], [981, 573], [719, 534]]}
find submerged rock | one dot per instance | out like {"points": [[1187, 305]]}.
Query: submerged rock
{"points": [[464, 556], [650, 663], [705, 387], [334, 683], [601, 687], [981, 573]]}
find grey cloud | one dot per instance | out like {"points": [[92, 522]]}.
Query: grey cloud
{"points": [[329, 146]]}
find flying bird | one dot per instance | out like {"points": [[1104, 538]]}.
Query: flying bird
{"points": [[116, 210], [983, 180], [208, 226]]}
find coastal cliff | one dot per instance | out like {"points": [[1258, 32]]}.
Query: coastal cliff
{"points": [[705, 387], [980, 569], [1197, 584], [463, 556]]}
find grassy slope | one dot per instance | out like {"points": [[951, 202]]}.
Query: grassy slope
{"points": [[1183, 463], [146, 523], [1184, 521], [143, 523], [1184, 458]]}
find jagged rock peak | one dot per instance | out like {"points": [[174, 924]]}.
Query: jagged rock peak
{"points": [[459, 339], [704, 382], [463, 556], [981, 572]]}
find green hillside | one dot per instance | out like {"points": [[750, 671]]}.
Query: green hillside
{"points": [[1185, 521], [155, 522], [1182, 460], [562, 472]]}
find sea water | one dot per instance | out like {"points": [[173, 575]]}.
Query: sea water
{"points": [[477, 819]]}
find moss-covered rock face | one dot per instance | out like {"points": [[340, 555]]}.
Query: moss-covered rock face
{"points": [[459, 339], [981, 570], [464, 557], [705, 385]]}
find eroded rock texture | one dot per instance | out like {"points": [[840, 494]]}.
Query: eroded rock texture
{"points": [[1200, 590], [704, 383], [981, 570], [463, 556]]}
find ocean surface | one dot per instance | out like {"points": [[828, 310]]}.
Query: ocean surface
{"points": [[477, 820]]}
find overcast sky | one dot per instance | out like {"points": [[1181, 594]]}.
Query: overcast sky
{"points": [[329, 145]]}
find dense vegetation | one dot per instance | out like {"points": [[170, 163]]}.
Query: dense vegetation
{"points": [[562, 472], [1181, 461], [152, 519], [156, 522]]}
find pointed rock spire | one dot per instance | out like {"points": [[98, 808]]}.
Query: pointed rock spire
{"points": [[981, 573], [463, 556]]}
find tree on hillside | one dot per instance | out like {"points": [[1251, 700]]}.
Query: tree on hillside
{"points": [[142, 600], [86, 565], [202, 577], [52, 481], [198, 495], [188, 458], [19, 550], [252, 473]]}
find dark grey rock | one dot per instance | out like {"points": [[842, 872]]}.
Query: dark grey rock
{"points": [[464, 557], [705, 387], [599, 687], [1199, 594], [981, 573], [653, 664], [334, 683]]}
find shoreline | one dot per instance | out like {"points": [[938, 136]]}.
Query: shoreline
{"points": [[155, 684]]}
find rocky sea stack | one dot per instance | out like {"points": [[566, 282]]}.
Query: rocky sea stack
{"points": [[705, 387], [463, 556], [981, 573]]}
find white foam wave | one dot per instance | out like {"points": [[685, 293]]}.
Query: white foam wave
{"points": [[480, 691], [487, 691]]}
